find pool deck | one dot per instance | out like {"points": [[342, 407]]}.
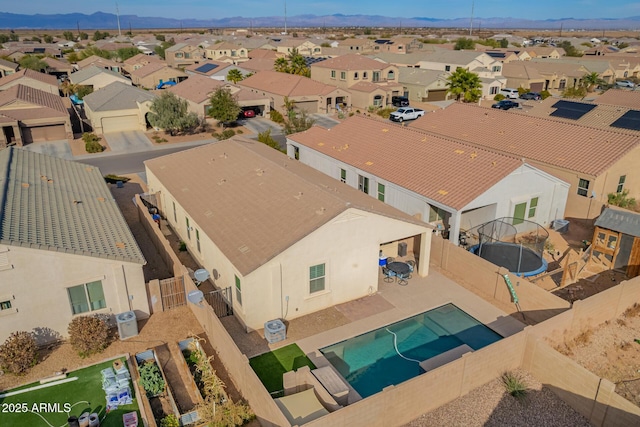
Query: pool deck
{"points": [[420, 295]]}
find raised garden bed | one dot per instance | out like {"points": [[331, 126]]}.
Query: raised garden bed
{"points": [[155, 387]]}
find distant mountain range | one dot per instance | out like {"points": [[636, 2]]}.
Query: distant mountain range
{"points": [[100, 20]]}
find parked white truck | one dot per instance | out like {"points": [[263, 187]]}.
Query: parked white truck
{"points": [[406, 113]]}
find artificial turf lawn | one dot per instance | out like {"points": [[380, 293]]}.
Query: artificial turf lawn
{"points": [[270, 366], [87, 388]]}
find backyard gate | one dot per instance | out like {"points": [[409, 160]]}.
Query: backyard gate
{"points": [[221, 301], [172, 293]]}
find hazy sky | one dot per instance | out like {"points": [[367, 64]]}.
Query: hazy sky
{"points": [[207, 9]]}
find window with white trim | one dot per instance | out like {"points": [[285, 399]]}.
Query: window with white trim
{"points": [[363, 184], [381, 192], [621, 181], [583, 187], [333, 74], [238, 290], [343, 75], [316, 278], [343, 175], [86, 297], [533, 207], [5, 305]]}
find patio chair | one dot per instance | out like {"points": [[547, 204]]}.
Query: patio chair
{"points": [[412, 265], [402, 279], [388, 275]]}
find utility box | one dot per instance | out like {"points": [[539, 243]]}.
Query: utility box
{"points": [[402, 249]]}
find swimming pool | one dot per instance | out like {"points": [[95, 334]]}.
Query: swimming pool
{"points": [[370, 362]]}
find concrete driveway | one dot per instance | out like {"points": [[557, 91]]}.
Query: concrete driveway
{"points": [[59, 148], [324, 120], [261, 124], [128, 142]]}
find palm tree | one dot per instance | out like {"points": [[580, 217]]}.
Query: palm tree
{"points": [[234, 75], [68, 88], [465, 85], [281, 65], [591, 80]]}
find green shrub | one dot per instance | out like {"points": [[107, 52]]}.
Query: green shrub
{"points": [[151, 379], [498, 97], [18, 353], [182, 247], [621, 199], [276, 116], [522, 90], [169, 421], [113, 179], [545, 94], [88, 335], [225, 134], [514, 385], [92, 143]]}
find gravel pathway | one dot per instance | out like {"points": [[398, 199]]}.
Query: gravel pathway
{"points": [[490, 405]]}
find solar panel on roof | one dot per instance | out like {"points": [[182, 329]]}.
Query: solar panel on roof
{"points": [[571, 110], [206, 68], [629, 120]]}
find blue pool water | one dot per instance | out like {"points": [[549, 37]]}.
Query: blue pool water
{"points": [[369, 362]]}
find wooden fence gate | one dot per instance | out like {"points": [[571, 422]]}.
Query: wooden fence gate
{"points": [[221, 301], [173, 293]]}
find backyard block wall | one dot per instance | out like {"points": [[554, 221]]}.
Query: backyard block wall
{"points": [[236, 363]]}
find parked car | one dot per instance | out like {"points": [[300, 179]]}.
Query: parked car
{"points": [[406, 113], [531, 96], [505, 104], [400, 101], [510, 93], [625, 83], [249, 113]]}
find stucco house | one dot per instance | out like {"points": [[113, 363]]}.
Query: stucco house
{"points": [[227, 52], [371, 82], [595, 162], [97, 78], [423, 85], [214, 69], [152, 75], [100, 62], [287, 239], [118, 107], [308, 94], [523, 74], [139, 61], [71, 255], [440, 181], [7, 67], [302, 46], [183, 54], [30, 115], [34, 79]]}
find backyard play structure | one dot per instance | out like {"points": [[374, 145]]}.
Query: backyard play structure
{"points": [[513, 243]]}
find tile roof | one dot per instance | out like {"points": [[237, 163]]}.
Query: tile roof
{"points": [[8, 64], [259, 64], [141, 58], [94, 59], [117, 96], [193, 68], [457, 57], [29, 74], [419, 76], [196, 88], [253, 201], [621, 98], [520, 70], [262, 53], [34, 96], [57, 65], [87, 73], [152, 67], [58, 205], [352, 61], [601, 117], [449, 172], [570, 146], [285, 84]]}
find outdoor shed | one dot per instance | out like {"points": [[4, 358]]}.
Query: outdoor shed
{"points": [[616, 241]]}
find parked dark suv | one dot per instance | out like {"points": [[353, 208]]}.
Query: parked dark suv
{"points": [[505, 104], [400, 101]]}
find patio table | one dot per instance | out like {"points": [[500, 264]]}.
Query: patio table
{"points": [[400, 269]]}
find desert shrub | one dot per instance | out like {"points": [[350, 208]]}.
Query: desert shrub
{"points": [[18, 353], [151, 379], [169, 421], [498, 97], [522, 90], [92, 143], [276, 116], [514, 385], [225, 134], [545, 94], [621, 199], [88, 335], [385, 112]]}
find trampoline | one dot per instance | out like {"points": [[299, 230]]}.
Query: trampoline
{"points": [[514, 244]]}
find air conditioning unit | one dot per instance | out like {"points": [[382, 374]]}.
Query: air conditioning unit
{"points": [[127, 325], [274, 331]]}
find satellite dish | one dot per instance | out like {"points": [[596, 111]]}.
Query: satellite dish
{"points": [[200, 276], [195, 297]]}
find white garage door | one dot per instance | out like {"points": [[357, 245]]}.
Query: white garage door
{"points": [[120, 124]]}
